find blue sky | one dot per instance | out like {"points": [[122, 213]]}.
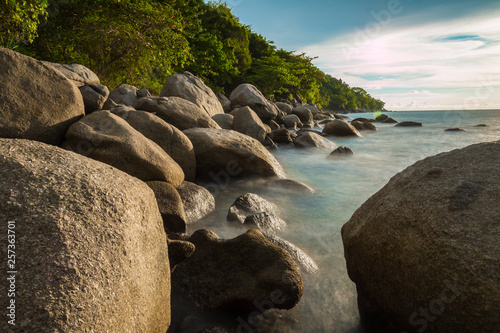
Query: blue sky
{"points": [[413, 54]]}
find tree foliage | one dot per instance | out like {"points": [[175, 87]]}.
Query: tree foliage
{"points": [[144, 42]]}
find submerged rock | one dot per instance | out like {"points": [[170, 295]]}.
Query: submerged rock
{"points": [[423, 251], [408, 124], [456, 129], [341, 151], [37, 102], [236, 274], [91, 249]]}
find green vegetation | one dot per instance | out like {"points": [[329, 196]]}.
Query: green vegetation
{"points": [[144, 42]]}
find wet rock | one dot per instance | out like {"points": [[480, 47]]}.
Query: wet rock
{"points": [[381, 118], [427, 243], [250, 204], [456, 129], [361, 126], [198, 202], [305, 262], [238, 273], [265, 222]]}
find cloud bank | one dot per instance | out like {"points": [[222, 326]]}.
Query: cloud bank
{"points": [[413, 64]]}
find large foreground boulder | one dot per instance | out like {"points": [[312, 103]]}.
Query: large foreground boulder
{"points": [[108, 138], [37, 102], [193, 89], [248, 95], [423, 251], [177, 111], [222, 155], [91, 252], [169, 138], [236, 274]]}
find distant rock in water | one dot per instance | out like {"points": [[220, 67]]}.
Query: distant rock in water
{"points": [[390, 121], [90, 246], [456, 129], [481, 125], [340, 127], [37, 102], [364, 125], [408, 124], [423, 251], [381, 118]]}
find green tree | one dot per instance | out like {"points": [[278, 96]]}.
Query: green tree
{"points": [[136, 42], [20, 20]]}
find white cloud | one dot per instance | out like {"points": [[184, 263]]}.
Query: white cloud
{"points": [[424, 58]]}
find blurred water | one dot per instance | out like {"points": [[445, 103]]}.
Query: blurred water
{"points": [[342, 185]]}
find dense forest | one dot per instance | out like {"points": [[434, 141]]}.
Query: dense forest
{"points": [[144, 42]]}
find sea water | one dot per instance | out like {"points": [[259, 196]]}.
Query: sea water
{"points": [[341, 185]]}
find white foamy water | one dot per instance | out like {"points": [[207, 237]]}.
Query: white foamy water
{"points": [[342, 185]]}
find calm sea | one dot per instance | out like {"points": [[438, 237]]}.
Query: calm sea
{"points": [[342, 185]]}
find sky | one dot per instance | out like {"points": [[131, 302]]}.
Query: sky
{"points": [[412, 54]]}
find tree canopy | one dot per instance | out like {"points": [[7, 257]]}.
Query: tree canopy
{"points": [[144, 42]]}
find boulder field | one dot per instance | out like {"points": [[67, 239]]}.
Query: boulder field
{"points": [[103, 189]]}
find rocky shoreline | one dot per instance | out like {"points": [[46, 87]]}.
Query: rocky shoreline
{"points": [[105, 189]]}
